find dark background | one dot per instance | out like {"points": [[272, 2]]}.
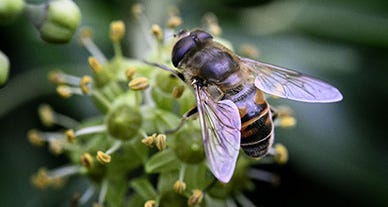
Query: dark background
{"points": [[338, 152]]}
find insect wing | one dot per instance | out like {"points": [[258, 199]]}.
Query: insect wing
{"points": [[220, 124], [291, 84]]}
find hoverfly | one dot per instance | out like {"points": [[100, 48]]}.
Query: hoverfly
{"points": [[230, 101]]}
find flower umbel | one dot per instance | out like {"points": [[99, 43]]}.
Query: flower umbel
{"points": [[133, 142]]}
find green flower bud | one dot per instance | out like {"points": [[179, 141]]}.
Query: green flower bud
{"points": [[56, 21], [10, 10], [188, 145], [123, 122], [170, 94], [163, 100], [4, 68], [166, 81]]}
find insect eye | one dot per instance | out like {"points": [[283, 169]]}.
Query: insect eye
{"points": [[180, 49], [186, 43], [199, 35]]}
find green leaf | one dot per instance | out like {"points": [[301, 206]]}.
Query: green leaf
{"points": [[162, 161], [144, 188]]}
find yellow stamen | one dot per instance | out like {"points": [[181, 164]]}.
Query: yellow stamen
{"points": [[46, 115], [35, 138], [103, 158], [215, 29], [174, 22], [195, 198], [281, 154], [56, 77], [85, 84], [212, 23], [160, 142], [130, 72], [64, 91], [87, 160], [139, 83], [94, 64], [179, 186], [70, 136], [249, 51], [57, 182], [41, 179], [117, 30], [86, 33], [137, 11], [287, 122], [56, 146], [150, 203], [149, 140], [157, 32]]}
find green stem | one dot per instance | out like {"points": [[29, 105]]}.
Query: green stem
{"points": [[117, 50], [102, 100]]}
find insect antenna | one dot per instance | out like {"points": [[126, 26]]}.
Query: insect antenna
{"points": [[165, 67]]}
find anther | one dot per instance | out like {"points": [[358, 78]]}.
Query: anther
{"points": [[35, 138], [85, 84], [103, 158], [160, 142], [94, 64], [46, 115], [117, 30], [281, 154], [195, 198], [130, 72], [149, 140], [139, 83], [70, 136], [87, 160], [179, 186], [174, 21], [150, 203], [157, 32]]}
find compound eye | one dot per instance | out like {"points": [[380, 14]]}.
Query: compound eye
{"points": [[180, 49], [187, 43], [201, 35]]}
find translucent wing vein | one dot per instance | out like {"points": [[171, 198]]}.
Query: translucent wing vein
{"points": [[221, 124], [290, 84]]}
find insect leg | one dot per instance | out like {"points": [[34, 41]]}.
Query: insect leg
{"points": [[185, 116]]}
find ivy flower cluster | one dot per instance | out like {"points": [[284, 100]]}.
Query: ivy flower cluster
{"points": [[127, 152]]}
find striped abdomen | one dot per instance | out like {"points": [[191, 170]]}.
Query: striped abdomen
{"points": [[256, 121]]}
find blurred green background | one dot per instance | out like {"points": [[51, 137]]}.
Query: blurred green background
{"points": [[338, 152]]}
